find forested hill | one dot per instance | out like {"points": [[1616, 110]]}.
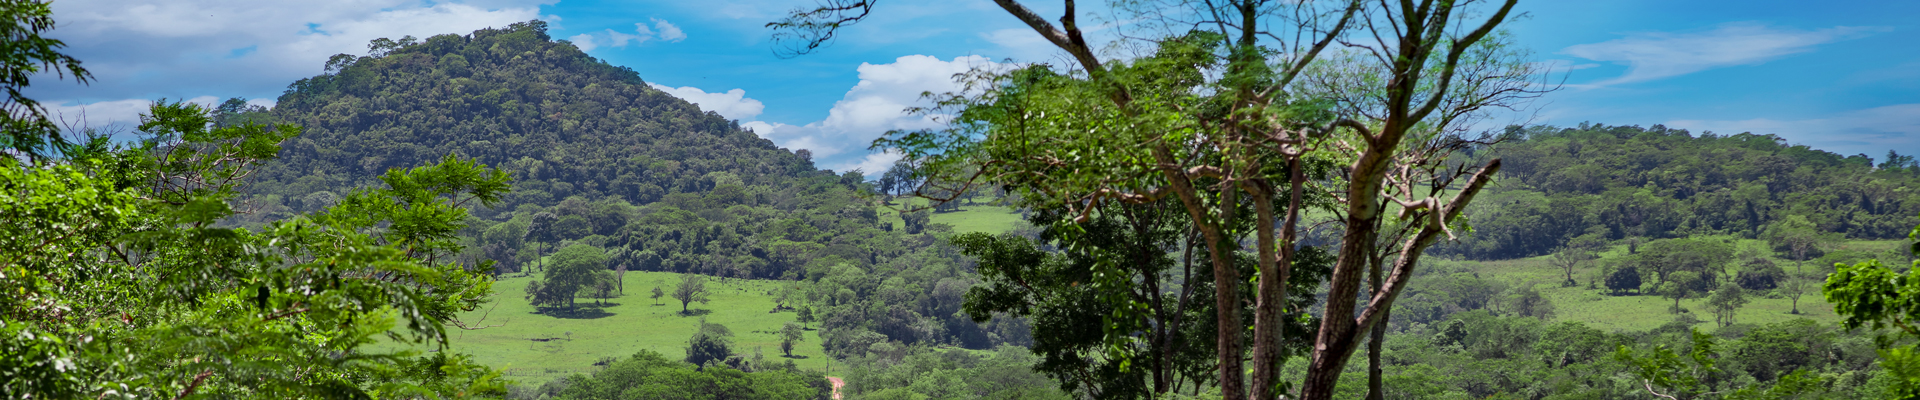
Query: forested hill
{"points": [[1619, 182], [564, 123], [644, 180]]}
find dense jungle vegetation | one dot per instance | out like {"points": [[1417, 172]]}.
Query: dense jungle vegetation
{"points": [[335, 245]]}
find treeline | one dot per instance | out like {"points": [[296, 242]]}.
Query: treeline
{"points": [[651, 375], [1618, 182], [1480, 355]]}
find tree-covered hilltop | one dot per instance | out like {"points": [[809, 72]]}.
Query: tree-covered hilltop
{"points": [[1618, 182], [564, 123], [588, 142]]}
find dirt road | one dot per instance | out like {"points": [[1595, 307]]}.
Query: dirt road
{"points": [[837, 383]]}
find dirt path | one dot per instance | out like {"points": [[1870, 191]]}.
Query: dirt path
{"points": [[837, 383]]}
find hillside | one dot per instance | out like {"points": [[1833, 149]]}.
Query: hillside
{"points": [[1619, 182], [600, 159]]}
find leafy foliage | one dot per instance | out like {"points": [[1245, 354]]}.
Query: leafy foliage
{"points": [[650, 375], [28, 129], [121, 284]]}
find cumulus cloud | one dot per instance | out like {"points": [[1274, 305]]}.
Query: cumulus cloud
{"points": [[661, 30], [1656, 55], [668, 32], [1870, 131], [732, 104], [143, 50], [875, 105]]}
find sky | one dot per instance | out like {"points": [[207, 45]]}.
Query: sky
{"points": [[1840, 76]]}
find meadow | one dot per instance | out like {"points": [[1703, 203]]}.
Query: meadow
{"points": [[1642, 312], [533, 348]]}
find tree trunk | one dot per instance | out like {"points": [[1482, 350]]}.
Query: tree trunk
{"points": [[1226, 278], [1276, 265], [1376, 389]]}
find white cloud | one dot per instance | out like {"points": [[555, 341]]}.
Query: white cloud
{"points": [[146, 49], [1656, 55], [668, 32], [732, 104], [583, 41], [875, 105], [1870, 131], [617, 39], [874, 164]]}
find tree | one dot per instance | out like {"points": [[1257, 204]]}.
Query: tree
{"points": [[805, 315], [693, 288], [916, 221], [604, 286], [1726, 302], [121, 283], [1528, 302], [1141, 143], [575, 267], [1623, 279], [620, 278], [657, 294], [1800, 240], [541, 231], [1574, 254], [784, 294], [1872, 295], [710, 343], [1677, 286], [1126, 252], [789, 334], [29, 131]]}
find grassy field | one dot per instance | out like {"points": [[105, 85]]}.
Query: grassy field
{"points": [[1636, 313], [534, 348], [983, 216]]}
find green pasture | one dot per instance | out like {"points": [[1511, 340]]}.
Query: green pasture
{"points": [[985, 215], [1642, 312], [532, 348]]}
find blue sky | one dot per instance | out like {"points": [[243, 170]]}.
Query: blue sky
{"points": [[1840, 76]]}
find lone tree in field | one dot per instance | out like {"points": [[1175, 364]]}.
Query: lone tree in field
{"points": [[1799, 239], [692, 288], [790, 334], [1626, 278], [1575, 253], [658, 293], [574, 268], [1726, 302]]}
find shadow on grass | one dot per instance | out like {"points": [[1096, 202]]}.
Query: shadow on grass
{"points": [[695, 312], [796, 357], [580, 312]]}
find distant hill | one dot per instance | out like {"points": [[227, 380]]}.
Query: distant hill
{"points": [[1616, 182], [600, 158], [566, 123]]}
